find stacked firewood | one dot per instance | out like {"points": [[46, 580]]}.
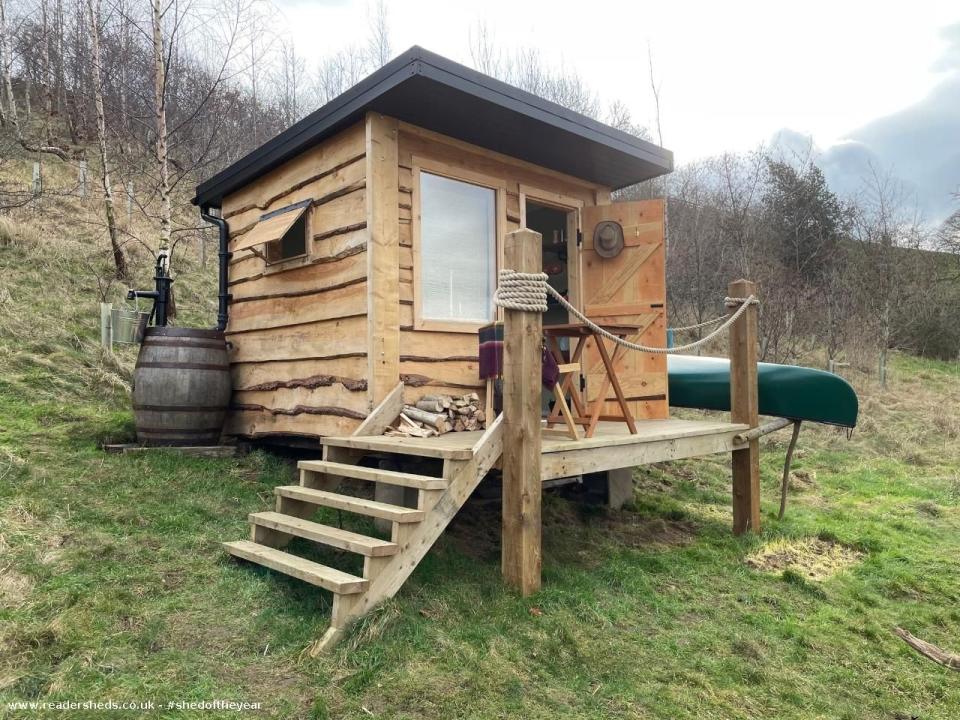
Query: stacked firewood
{"points": [[438, 414]]}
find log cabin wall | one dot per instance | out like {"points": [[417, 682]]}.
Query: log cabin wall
{"points": [[318, 342], [432, 362], [298, 332]]}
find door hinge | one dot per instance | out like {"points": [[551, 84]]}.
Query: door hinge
{"points": [[579, 238]]}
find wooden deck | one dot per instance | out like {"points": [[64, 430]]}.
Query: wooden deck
{"points": [[612, 447]]}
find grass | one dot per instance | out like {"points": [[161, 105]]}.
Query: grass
{"points": [[113, 585]]}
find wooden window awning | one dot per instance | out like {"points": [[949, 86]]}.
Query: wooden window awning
{"points": [[272, 225]]}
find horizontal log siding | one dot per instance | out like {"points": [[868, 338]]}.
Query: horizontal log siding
{"points": [[249, 376], [298, 336]]}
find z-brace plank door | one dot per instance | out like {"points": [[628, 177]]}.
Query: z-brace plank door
{"points": [[629, 288]]}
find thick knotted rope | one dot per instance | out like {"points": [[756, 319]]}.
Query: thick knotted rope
{"points": [[522, 291], [528, 292]]}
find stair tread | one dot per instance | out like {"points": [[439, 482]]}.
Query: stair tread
{"points": [[450, 446], [312, 572], [357, 505], [332, 536], [358, 472]]}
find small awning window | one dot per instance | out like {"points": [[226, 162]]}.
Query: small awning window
{"points": [[272, 226]]}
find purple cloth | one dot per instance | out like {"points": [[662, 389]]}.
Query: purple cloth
{"points": [[491, 351], [549, 370], [491, 357]]}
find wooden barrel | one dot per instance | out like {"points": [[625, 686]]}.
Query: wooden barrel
{"points": [[181, 386]]}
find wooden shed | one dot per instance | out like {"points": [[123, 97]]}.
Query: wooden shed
{"points": [[364, 247], [366, 238]]}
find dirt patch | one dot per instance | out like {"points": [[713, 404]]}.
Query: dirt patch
{"points": [[812, 558], [475, 531], [633, 530], [929, 508], [803, 480], [54, 548], [14, 588], [187, 630]]}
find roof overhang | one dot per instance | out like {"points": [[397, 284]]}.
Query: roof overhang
{"points": [[427, 90]]}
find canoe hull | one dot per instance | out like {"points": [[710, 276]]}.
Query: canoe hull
{"points": [[788, 391]]}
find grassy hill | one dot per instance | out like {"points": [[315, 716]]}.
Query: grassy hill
{"points": [[113, 585]]}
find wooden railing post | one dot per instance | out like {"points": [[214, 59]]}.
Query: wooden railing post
{"points": [[522, 339], [744, 409]]}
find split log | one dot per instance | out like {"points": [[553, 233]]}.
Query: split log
{"points": [[433, 406], [444, 400], [434, 420], [437, 414]]}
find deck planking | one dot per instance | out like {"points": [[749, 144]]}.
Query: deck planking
{"points": [[612, 447]]}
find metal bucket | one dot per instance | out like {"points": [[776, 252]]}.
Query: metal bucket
{"points": [[124, 324], [143, 320]]}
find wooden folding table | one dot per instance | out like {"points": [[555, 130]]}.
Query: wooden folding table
{"points": [[581, 333]]}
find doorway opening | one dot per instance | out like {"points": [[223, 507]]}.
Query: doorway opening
{"points": [[555, 225], [552, 225]]}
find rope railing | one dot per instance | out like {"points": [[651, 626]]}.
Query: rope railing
{"points": [[705, 323], [528, 292]]}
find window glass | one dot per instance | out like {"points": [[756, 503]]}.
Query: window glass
{"points": [[458, 230]]}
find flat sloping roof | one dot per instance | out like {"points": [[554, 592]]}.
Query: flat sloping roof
{"points": [[432, 92]]}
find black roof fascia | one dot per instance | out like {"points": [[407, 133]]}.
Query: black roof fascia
{"points": [[428, 90]]}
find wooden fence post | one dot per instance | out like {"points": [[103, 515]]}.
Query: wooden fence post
{"points": [[744, 409], [522, 486]]}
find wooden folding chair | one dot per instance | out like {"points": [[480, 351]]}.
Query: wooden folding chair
{"points": [[560, 400]]}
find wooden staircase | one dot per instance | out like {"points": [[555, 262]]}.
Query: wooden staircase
{"points": [[386, 563]]}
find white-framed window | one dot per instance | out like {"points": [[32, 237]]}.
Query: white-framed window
{"points": [[457, 243]]}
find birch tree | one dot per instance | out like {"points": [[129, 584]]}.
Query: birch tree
{"points": [[7, 80], [160, 128], [45, 71], [120, 264]]}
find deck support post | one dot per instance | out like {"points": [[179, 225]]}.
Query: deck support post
{"points": [[522, 487], [744, 409]]}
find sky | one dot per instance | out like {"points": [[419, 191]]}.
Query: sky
{"points": [[731, 74]]}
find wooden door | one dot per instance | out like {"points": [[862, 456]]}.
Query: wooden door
{"points": [[629, 288]]}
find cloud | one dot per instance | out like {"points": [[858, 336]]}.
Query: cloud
{"points": [[919, 144]]}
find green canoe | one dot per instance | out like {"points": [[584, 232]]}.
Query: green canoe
{"points": [[787, 391]]}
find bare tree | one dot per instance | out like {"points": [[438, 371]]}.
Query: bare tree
{"points": [[655, 90], [948, 241], [292, 68], [378, 42], [119, 261], [483, 50], [45, 73], [7, 79], [160, 127], [694, 255], [884, 225]]}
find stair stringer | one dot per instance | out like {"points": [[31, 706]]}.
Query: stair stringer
{"points": [[465, 475]]}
